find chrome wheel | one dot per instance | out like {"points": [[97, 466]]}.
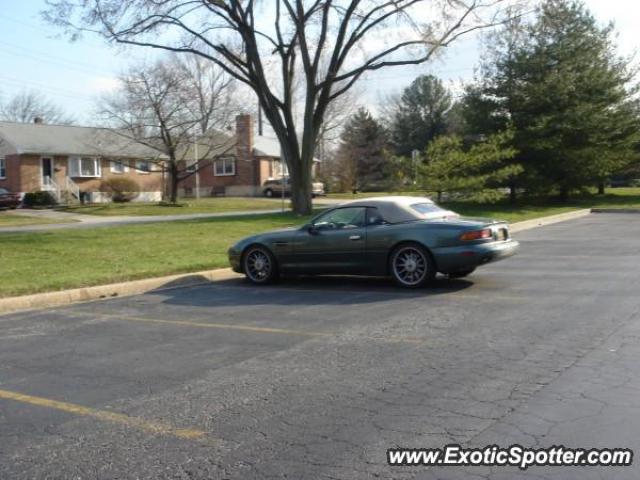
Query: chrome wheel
{"points": [[258, 266], [410, 266]]}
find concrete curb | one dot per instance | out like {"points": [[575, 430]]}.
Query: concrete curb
{"points": [[550, 220], [615, 210], [100, 292], [137, 287]]}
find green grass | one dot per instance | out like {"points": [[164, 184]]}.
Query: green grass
{"points": [[47, 261], [56, 260], [533, 208], [8, 219], [187, 206]]}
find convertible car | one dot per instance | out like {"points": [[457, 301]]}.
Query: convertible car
{"points": [[408, 238]]}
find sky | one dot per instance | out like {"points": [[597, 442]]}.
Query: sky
{"points": [[34, 56]]}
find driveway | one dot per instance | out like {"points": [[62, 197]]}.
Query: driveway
{"points": [[317, 378]]}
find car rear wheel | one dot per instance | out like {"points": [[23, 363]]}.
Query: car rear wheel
{"points": [[411, 266], [260, 266], [268, 193]]}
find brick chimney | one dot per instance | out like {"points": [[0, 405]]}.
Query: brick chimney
{"points": [[244, 136], [246, 165]]}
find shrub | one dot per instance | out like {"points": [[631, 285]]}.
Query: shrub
{"points": [[121, 189], [39, 199]]}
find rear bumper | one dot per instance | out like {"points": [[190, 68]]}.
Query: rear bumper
{"points": [[452, 259]]}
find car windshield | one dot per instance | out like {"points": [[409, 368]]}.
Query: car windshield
{"points": [[428, 209], [3, 191]]}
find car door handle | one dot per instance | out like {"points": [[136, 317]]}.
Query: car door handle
{"points": [[355, 238]]}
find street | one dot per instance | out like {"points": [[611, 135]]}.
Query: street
{"points": [[317, 378]]}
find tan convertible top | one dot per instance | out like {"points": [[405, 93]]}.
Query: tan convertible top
{"points": [[396, 209]]}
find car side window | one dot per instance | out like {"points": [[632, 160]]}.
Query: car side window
{"points": [[349, 217], [374, 217]]}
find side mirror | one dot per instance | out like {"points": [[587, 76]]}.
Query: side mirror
{"points": [[313, 230]]}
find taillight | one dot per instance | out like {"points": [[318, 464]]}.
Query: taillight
{"points": [[476, 235]]}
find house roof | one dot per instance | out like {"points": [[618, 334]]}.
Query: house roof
{"points": [[71, 140], [266, 146], [211, 144], [215, 143]]}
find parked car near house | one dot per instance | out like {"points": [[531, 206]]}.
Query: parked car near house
{"points": [[410, 239], [273, 188], [8, 199]]}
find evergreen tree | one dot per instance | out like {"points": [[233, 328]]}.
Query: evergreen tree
{"points": [[420, 114], [362, 154], [561, 84], [476, 170]]}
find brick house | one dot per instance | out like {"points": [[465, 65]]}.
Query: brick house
{"points": [[238, 163], [70, 160]]}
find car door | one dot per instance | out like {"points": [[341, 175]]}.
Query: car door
{"points": [[334, 243], [380, 238]]}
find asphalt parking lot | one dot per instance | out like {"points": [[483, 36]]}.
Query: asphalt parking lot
{"points": [[317, 378]]}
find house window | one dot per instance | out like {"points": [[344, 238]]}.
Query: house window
{"points": [[143, 166], [119, 166], [3, 168], [84, 167], [224, 166]]}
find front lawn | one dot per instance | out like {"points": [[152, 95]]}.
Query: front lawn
{"points": [[55, 260], [187, 206], [8, 219], [60, 259]]}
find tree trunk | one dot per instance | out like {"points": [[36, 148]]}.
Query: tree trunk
{"points": [[513, 193], [301, 201], [439, 196], [175, 180], [564, 193], [601, 188]]}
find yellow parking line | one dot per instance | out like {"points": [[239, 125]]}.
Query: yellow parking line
{"points": [[153, 427], [248, 328]]}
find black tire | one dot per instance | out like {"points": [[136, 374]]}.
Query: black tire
{"points": [[462, 273], [411, 266], [268, 193], [259, 265]]}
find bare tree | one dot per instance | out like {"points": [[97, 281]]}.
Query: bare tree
{"points": [[214, 93], [171, 107], [27, 106], [267, 45]]}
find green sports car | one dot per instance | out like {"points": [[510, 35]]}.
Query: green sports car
{"points": [[408, 238]]}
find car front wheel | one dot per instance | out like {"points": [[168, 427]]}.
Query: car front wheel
{"points": [[411, 266], [268, 193], [260, 266]]}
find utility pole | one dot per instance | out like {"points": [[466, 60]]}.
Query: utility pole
{"points": [[197, 167]]}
